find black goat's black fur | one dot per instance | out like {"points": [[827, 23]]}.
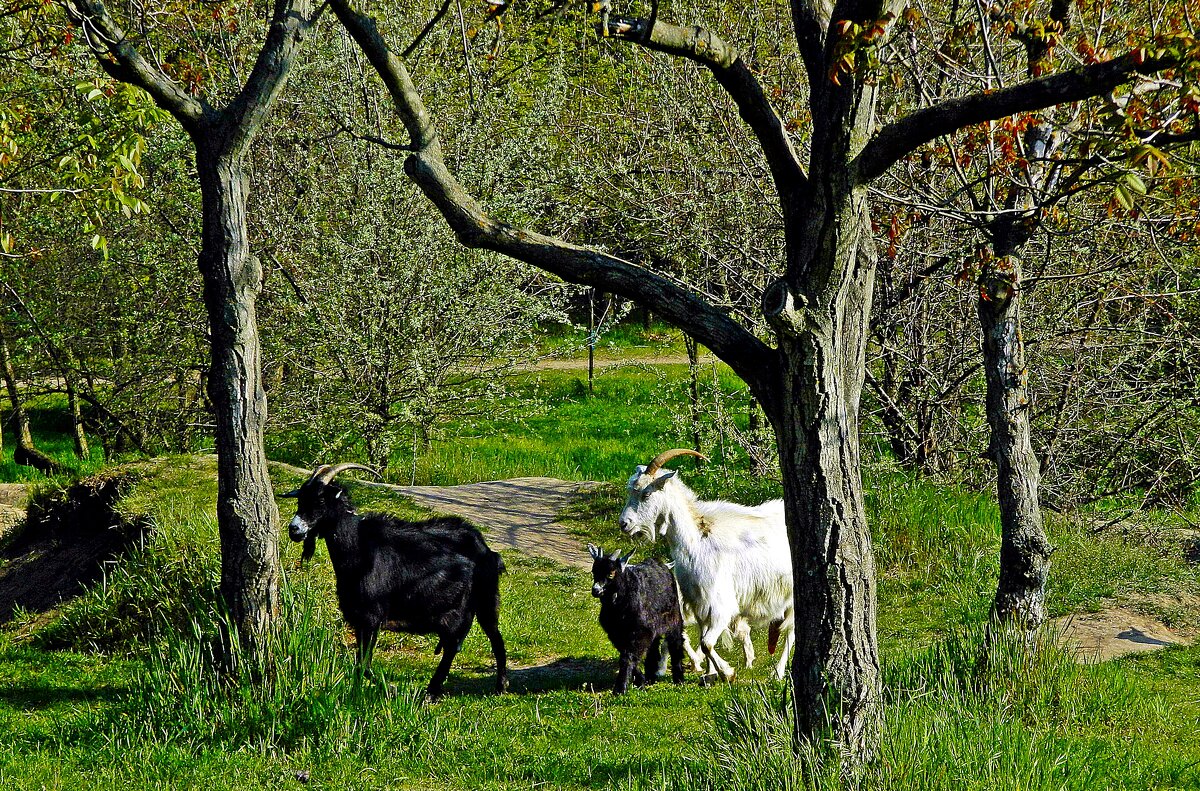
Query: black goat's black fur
{"points": [[429, 577], [639, 608]]}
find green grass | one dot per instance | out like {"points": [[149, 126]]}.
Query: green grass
{"points": [[117, 690], [626, 340]]}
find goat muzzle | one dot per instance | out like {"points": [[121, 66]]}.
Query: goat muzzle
{"points": [[297, 528]]}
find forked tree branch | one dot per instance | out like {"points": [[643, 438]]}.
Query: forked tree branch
{"points": [[250, 108], [731, 73], [902, 137], [244, 115], [750, 358]]}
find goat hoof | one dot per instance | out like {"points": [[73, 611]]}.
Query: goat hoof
{"points": [[709, 680], [501, 686]]}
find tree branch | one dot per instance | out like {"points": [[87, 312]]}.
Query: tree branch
{"points": [[810, 21], [731, 73], [250, 108], [749, 357], [902, 137], [425, 31], [123, 62]]}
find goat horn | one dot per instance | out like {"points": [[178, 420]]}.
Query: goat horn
{"points": [[326, 473], [658, 461]]}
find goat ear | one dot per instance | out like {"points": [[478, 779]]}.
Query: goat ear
{"points": [[658, 482], [625, 560], [595, 551], [292, 493]]}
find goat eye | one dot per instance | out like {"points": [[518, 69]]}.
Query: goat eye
{"points": [[612, 574]]}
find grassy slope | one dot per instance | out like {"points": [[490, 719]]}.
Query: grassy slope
{"points": [[75, 718]]}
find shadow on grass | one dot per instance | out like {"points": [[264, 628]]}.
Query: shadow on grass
{"points": [[568, 673], [29, 697]]}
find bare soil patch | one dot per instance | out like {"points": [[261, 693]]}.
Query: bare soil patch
{"points": [[1115, 632], [520, 514]]}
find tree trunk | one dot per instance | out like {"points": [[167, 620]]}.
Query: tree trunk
{"points": [[25, 453], [81, 444], [1025, 550], [822, 336], [246, 514], [693, 355]]}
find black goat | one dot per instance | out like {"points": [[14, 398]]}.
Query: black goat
{"points": [[639, 606], [431, 577]]}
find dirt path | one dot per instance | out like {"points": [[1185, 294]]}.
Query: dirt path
{"points": [[1115, 632], [520, 513]]}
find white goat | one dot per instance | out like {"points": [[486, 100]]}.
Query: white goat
{"points": [[732, 562]]}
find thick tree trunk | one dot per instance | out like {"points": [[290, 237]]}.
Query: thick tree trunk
{"points": [[1025, 550], [246, 514], [822, 336]]}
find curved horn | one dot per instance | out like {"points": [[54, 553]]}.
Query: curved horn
{"points": [[326, 473], [664, 457]]}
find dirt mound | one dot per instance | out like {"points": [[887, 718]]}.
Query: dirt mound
{"points": [[66, 541], [1115, 632]]}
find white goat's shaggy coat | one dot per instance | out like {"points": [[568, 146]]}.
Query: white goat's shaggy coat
{"points": [[732, 562]]}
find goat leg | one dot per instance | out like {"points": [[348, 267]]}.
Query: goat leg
{"points": [[450, 646], [653, 660], [626, 670], [675, 648], [365, 638], [488, 618]]}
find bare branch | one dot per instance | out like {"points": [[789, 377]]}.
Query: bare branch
{"points": [[249, 109], [902, 137], [731, 73], [749, 357], [425, 31]]}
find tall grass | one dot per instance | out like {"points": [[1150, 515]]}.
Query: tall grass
{"points": [[972, 711], [300, 692]]}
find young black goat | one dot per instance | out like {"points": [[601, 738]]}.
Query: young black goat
{"points": [[639, 607], [431, 577]]}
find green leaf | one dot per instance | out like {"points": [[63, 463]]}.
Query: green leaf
{"points": [[1121, 193], [1134, 182]]}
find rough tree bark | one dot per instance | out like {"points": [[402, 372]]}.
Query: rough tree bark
{"points": [[248, 521], [77, 432], [1025, 550]]}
